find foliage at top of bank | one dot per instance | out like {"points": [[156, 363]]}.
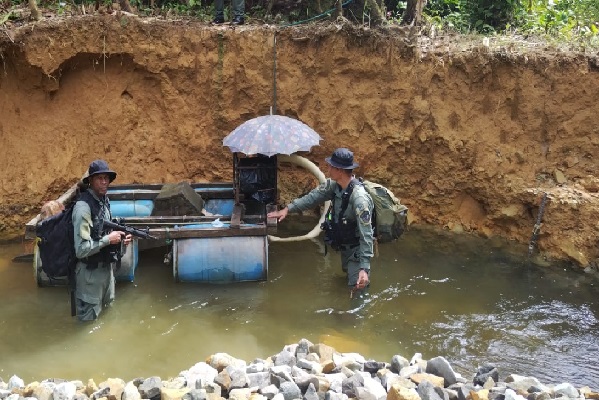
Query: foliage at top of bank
{"points": [[562, 20]]}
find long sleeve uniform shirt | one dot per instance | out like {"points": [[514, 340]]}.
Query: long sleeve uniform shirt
{"points": [[359, 209], [83, 222]]}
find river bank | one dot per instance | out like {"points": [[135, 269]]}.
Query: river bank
{"points": [[311, 372], [464, 133]]}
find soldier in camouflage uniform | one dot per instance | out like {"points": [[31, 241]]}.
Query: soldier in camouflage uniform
{"points": [[94, 275], [353, 230]]}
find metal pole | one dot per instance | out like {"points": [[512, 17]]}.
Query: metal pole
{"points": [[274, 75]]}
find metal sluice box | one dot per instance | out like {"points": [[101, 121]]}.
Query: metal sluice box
{"points": [[228, 242]]}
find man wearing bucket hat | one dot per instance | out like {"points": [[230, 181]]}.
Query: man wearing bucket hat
{"points": [[95, 246], [350, 233]]}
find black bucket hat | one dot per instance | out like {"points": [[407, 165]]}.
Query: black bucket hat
{"points": [[99, 167], [342, 158]]}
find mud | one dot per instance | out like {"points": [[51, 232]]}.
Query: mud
{"points": [[468, 136]]}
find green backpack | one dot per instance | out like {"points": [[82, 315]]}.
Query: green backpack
{"points": [[390, 216]]}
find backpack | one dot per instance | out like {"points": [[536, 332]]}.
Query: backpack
{"points": [[390, 217], [56, 243]]}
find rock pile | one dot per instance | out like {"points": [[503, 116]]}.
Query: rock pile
{"points": [[305, 371]]}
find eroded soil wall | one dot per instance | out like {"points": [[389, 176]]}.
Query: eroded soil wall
{"points": [[468, 138]]}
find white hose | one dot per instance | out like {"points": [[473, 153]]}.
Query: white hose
{"points": [[311, 167]]}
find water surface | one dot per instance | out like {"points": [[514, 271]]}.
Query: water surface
{"points": [[470, 300]]}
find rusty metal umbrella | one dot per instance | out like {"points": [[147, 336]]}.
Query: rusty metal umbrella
{"points": [[270, 135]]}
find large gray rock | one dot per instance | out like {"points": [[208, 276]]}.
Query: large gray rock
{"points": [[536, 396], [311, 366], [307, 381], [440, 366], [304, 346], [259, 379], [290, 391], [566, 389], [64, 391], [15, 383], [285, 358], [426, 391], [195, 394], [98, 394], [298, 373], [269, 391], [336, 382], [372, 390], [311, 393], [150, 388], [373, 366], [238, 376], [398, 362], [256, 367], [484, 373], [130, 392], [520, 383], [199, 375], [352, 361], [350, 385], [280, 374]]}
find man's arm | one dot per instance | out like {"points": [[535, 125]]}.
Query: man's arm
{"points": [[82, 227], [363, 208], [316, 197]]}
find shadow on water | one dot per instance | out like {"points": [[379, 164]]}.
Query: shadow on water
{"points": [[470, 300]]}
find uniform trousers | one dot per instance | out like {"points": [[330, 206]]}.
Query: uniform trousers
{"points": [[94, 290]]}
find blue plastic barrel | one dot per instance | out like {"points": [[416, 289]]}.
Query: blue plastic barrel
{"points": [[220, 206], [131, 208], [220, 259], [126, 273]]}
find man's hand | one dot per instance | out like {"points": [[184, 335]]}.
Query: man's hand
{"points": [[279, 215], [362, 280], [116, 237]]}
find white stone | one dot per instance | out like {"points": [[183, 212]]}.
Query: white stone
{"points": [[130, 392], [65, 391]]}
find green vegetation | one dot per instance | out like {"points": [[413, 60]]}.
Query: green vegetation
{"points": [[564, 20]]}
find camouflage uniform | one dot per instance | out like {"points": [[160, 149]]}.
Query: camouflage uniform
{"points": [[95, 286], [360, 207]]}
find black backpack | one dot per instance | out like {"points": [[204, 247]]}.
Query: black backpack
{"points": [[56, 243]]}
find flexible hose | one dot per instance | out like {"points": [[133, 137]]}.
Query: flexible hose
{"points": [[311, 167]]}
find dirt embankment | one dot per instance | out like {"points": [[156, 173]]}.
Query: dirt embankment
{"points": [[468, 136]]}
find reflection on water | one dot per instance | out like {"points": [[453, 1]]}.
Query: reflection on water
{"points": [[472, 301]]}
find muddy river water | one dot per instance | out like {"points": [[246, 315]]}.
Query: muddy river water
{"points": [[470, 300]]}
